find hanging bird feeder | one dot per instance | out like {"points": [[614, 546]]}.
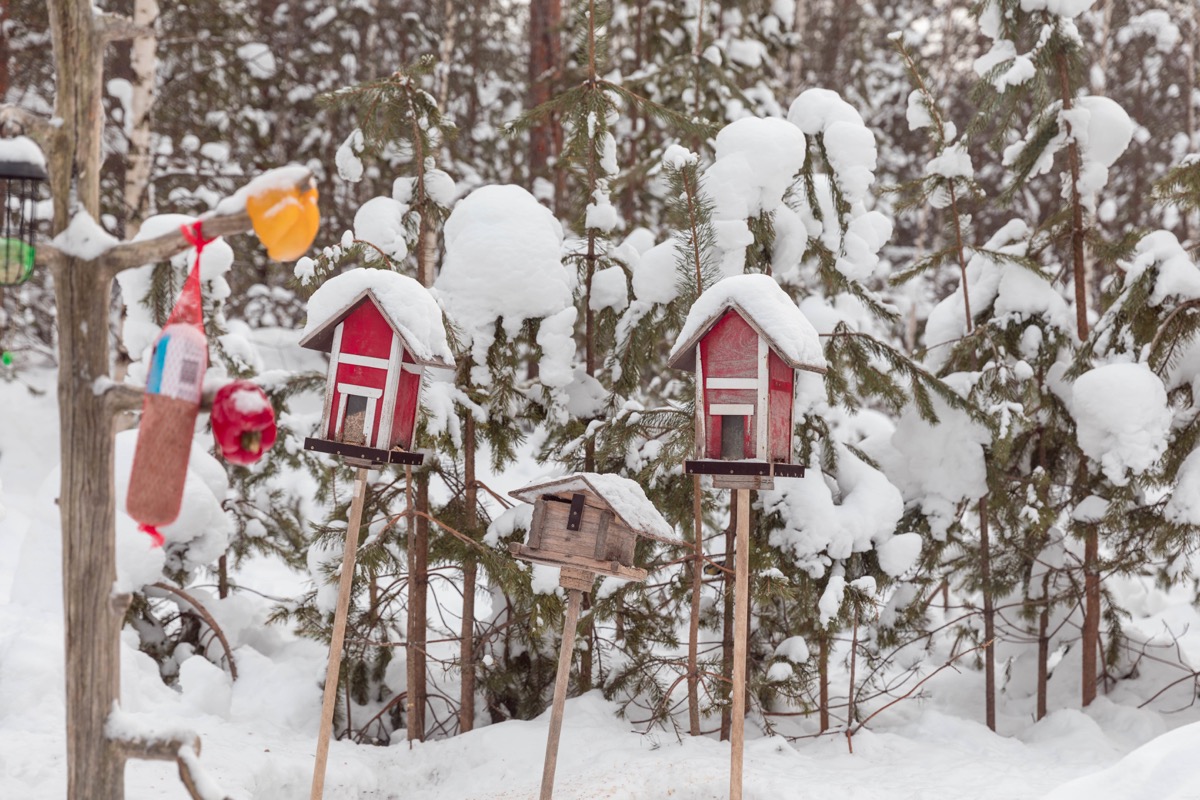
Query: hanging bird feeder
{"points": [[22, 172]]}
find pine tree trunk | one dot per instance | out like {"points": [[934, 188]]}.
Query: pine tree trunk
{"points": [[418, 615], [727, 620], [989, 617], [1043, 676], [466, 653], [823, 678], [545, 23], [1091, 542]]}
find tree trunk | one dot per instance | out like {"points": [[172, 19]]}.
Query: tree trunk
{"points": [[727, 619], [137, 174], [466, 708], [989, 617], [1091, 542], [823, 678], [545, 24], [418, 590], [95, 763], [1043, 673]]}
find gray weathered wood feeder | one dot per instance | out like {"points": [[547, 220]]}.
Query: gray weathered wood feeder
{"points": [[587, 525], [22, 173], [382, 331], [590, 522], [745, 339]]}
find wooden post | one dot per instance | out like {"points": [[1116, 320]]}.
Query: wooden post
{"points": [[741, 632], [576, 582], [339, 633]]}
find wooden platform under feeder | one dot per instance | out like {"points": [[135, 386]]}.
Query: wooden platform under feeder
{"points": [[758, 475], [359, 456]]}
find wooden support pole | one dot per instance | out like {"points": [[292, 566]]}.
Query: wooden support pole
{"points": [[339, 633], [741, 633], [571, 580]]}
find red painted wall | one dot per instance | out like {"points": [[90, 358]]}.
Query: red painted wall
{"points": [[729, 350], [781, 397], [366, 332], [405, 422]]}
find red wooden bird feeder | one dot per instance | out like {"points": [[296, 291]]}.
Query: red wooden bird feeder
{"points": [[382, 330], [745, 339]]}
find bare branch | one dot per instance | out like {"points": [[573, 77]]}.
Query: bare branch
{"points": [[121, 397], [129, 255], [120, 28], [151, 748], [208, 620], [35, 126]]}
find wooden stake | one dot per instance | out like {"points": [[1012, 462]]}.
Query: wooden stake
{"points": [[339, 633], [571, 579], [741, 632]]}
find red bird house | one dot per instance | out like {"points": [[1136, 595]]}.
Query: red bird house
{"points": [[745, 339], [590, 522], [382, 331]]}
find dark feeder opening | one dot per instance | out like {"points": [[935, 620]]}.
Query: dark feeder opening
{"points": [[20, 183]]}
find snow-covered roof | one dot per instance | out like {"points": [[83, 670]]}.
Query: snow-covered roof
{"points": [[624, 497], [407, 306], [768, 309]]}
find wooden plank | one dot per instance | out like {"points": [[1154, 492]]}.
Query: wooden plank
{"points": [[756, 482], [329, 699], [574, 598], [708, 466], [373, 455], [762, 449], [576, 513], [387, 413], [741, 600], [538, 524], [601, 550], [610, 568]]}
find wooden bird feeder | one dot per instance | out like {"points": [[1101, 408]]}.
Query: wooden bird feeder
{"points": [[590, 522], [382, 330], [373, 387], [587, 525], [745, 339]]}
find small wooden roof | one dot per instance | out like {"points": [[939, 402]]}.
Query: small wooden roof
{"points": [[621, 496], [763, 304], [319, 335]]}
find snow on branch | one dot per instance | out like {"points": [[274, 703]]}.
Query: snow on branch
{"points": [[138, 739], [225, 220]]}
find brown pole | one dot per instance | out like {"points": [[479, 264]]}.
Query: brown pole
{"points": [[339, 633], [574, 599], [741, 632]]}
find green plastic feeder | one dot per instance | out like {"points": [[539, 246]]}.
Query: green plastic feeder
{"points": [[22, 172]]}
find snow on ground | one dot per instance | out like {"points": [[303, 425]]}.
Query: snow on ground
{"points": [[259, 733]]}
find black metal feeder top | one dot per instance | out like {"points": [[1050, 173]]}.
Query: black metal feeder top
{"points": [[21, 174]]}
